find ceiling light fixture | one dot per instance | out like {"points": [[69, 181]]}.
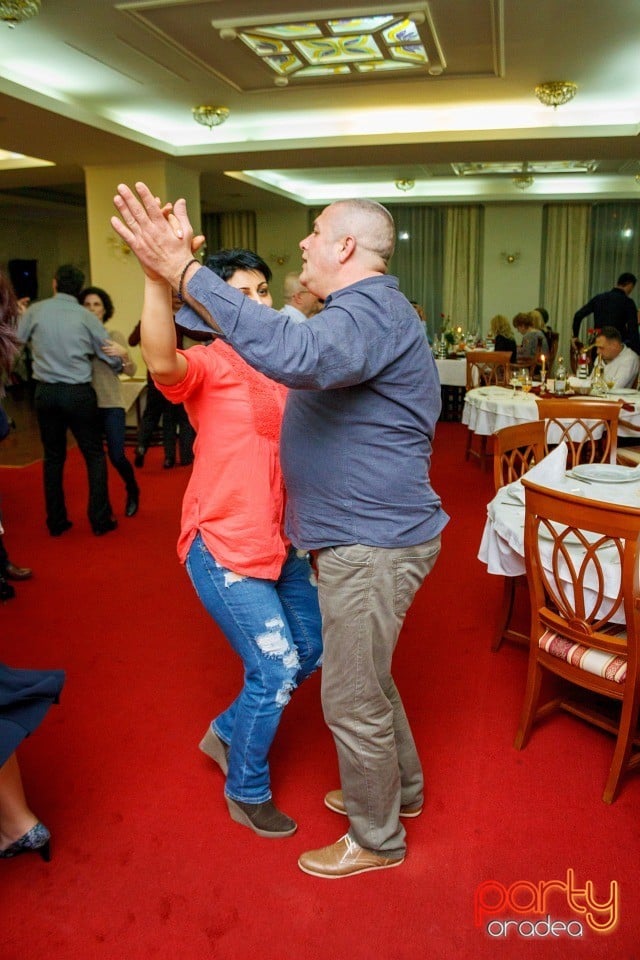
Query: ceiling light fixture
{"points": [[209, 116], [405, 185], [523, 180], [637, 178], [553, 93], [15, 11]]}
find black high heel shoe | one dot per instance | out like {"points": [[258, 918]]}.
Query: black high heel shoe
{"points": [[36, 840]]}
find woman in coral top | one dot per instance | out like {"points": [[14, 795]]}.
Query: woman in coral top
{"points": [[251, 581]]}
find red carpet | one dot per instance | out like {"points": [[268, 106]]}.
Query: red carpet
{"points": [[146, 862]]}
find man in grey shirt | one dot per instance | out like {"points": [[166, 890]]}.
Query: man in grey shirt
{"points": [[63, 337]]}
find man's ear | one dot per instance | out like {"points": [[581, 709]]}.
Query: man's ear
{"points": [[54, 286], [347, 249]]}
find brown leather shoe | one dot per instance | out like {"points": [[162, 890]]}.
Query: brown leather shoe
{"points": [[17, 573], [344, 858], [335, 801]]}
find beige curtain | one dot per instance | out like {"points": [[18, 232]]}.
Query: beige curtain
{"points": [[461, 267], [229, 230], [565, 267]]}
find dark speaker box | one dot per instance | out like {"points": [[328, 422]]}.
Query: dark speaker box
{"points": [[24, 278]]}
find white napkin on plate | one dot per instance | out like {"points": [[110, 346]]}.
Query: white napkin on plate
{"points": [[551, 470]]}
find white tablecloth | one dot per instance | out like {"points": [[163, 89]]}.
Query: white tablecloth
{"points": [[487, 409], [452, 373], [502, 544]]}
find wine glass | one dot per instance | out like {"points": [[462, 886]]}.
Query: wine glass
{"points": [[526, 382], [610, 384]]}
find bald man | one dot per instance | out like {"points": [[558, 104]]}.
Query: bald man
{"points": [[299, 303], [355, 450]]}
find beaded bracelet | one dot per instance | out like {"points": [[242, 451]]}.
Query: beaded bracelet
{"points": [[182, 276]]}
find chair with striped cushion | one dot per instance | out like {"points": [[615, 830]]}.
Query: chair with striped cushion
{"points": [[515, 449], [582, 567]]}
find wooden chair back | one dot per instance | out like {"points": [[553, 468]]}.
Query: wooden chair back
{"points": [[629, 456], [487, 368], [516, 449], [571, 546], [531, 365], [553, 339], [589, 427]]}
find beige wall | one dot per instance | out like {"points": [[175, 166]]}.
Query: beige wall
{"points": [[511, 288], [113, 266], [54, 237], [278, 236], [50, 236]]}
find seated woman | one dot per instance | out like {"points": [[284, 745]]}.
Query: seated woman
{"points": [[253, 583], [539, 324], [25, 697], [500, 330], [533, 340]]}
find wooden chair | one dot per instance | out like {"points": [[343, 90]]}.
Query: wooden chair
{"points": [[628, 456], [574, 646], [589, 427], [515, 450], [532, 365], [553, 339], [485, 368]]}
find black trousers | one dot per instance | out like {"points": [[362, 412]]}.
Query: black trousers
{"points": [[71, 406]]}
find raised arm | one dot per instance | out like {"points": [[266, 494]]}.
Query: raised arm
{"points": [[158, 334]]}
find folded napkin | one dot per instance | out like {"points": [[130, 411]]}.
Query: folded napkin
{"points": [[551, 469]]}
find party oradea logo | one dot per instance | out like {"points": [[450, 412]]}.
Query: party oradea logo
{"points": [[548, 909]]}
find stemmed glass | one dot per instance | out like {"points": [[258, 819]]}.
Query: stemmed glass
{"points": [[526, 381]]}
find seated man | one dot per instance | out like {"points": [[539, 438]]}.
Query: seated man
{"points": [[620, 362]]}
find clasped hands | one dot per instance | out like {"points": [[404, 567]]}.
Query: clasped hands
{"points": [[160, 235]]}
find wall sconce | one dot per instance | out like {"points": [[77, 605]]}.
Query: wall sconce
{"points": [[279, 258], [118, 247], [510, 258]]}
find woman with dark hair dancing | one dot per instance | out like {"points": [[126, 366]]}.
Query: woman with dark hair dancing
{"points": [[250, 579]]}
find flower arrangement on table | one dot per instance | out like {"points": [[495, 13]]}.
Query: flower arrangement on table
{"points": [[447, 333]]}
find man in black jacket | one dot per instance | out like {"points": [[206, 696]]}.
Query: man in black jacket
{"points": [[614, 308]]}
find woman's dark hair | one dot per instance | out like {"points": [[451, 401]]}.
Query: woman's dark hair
{"points": [[224, 263], [9, 343], [107, 302]]}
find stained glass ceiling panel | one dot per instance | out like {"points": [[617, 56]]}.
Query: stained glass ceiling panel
{"points": [[387, 42]]}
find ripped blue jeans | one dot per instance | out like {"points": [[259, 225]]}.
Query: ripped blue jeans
{"points": [[276, 630]]}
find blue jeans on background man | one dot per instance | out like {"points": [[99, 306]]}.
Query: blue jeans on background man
{"points": [[113, 424], [275, 628]]}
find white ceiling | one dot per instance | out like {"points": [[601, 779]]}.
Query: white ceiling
{"points": [[108, 82]]}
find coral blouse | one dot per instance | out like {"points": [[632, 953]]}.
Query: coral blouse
{"points": [[235, 498]]}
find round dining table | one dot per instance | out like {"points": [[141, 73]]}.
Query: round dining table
{"points": [[502, 543], [487, 409]]}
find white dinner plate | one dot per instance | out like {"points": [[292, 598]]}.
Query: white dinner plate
{"points": [[623, 391], [606, 473]]}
